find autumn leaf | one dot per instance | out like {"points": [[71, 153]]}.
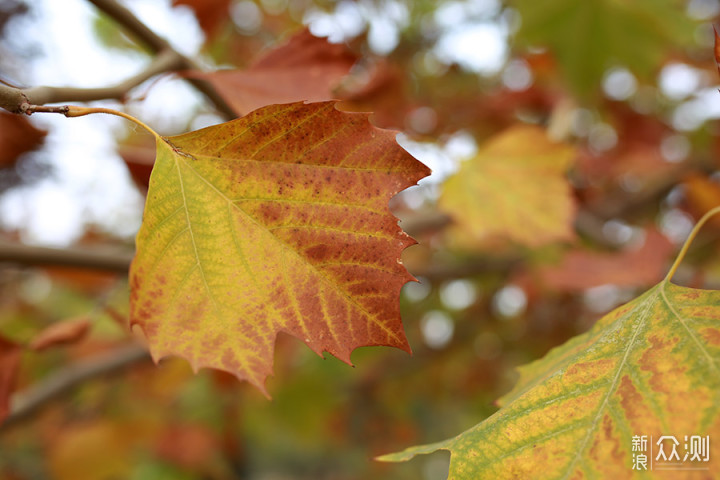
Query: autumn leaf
{"points": [[275, 222], [210, 13], [587, 38], [515, 189], [64, 332], [650, 367], [17, 136], [583, 269], [701, 194], [305, 68], [9, 365]]}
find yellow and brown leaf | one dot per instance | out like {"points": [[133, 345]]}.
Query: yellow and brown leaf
{"points": [[650, 367], [275, 222]]}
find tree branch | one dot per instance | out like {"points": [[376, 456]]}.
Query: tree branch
{"points": [[28, 402], [108, 259], [166, 60], [132, 24], [157, 44]]}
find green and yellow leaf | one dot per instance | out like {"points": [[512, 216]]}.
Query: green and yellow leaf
{"points": [[650, 367], [275, 222], [513, 189], [588, 37]]}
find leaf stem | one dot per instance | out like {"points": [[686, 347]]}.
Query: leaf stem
{"points": [[689, 240], [73, 111]]}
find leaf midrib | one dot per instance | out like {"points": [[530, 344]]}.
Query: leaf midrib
{"points": [[178, 155]]}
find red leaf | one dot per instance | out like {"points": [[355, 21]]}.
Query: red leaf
{"points": [[582, 269], [305, 68], [209, 13], [61, 333], [17, 136], [189, 446], [9, 365]]}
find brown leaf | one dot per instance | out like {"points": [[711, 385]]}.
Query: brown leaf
{"points": [[61, 333], [211, 14], [717, 47], [583, 269], [9, 365], [701, 195], [17, 136], [139, 159], [189, 446], [306, 68]]}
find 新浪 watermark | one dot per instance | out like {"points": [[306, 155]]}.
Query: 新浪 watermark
{"points": [[668, 453]]}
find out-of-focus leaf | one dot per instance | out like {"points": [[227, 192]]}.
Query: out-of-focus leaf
{"points": [[588, 37], [515, 189], [210, 13], [139, 160], [61, 333], [583, 269], [306, 68], [17, 136], [9, 365], [275, 222], [650, 367], [701, 195], [99, 449], [188, 446]]}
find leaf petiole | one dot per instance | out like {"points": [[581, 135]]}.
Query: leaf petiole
{"points": [[691, 237], [73, 111]]}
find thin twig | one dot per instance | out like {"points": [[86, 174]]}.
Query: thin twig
{"points": [[165, 61], [157, 44], [25, 404]]}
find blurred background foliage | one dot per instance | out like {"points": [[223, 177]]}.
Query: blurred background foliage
{"points": [[630, 86]]}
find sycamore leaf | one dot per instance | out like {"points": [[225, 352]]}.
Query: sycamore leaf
{"points": [[305, 68], [588, 37], [275, 222], [9, 365], [514, 188], [650, 367]]}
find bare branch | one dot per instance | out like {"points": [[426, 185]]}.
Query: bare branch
{"points": [[26, 403], [107, 259], [12, 99], [157, 44], [165, 61]]}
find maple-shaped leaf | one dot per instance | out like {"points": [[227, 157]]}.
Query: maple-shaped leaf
{"points": [[275, 222], [588, 37], [649, 368], [306, 68], [9, 365], [514, 188]]}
